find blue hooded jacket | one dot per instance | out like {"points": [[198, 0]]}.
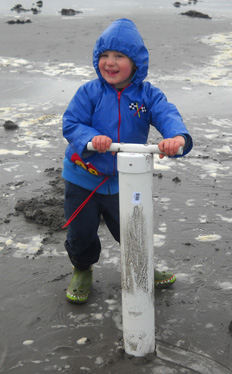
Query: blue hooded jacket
{"points": [[98, 108]]}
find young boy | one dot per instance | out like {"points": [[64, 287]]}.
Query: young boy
{"points": [[116, 107]]}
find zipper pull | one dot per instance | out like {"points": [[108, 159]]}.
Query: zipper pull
{"points": [[119, 95]]}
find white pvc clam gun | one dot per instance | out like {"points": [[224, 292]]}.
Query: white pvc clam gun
{"points": [[135, 167]]}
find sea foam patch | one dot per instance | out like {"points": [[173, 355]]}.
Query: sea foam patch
{"points": [[211, 157], [208, 238], [224, 285], [33, 131], [225, 219], [31, 247], [217, 71], [12, 152], [159, 240], [46, 68], [163, 164], [47, 120]]}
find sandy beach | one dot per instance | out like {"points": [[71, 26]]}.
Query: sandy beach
{"points": [[42, 64]]}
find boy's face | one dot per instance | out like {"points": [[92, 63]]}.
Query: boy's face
{"points": [[116, 68]]}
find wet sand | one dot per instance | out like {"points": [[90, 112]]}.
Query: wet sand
{"points": [[42, 63]]}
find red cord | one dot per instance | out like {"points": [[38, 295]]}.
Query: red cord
{"points": [[77, 211]]}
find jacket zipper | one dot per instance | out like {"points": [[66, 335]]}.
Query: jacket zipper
{"points": [[119, 122], [119, 116]]}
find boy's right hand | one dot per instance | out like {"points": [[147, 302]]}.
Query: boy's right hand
{"points": [[101, 143]]}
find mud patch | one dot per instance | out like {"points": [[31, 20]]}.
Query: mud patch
{"points": [[19, 21], [19, 8], [69, 12], [195, 14], [177, 4], [47, 208]]}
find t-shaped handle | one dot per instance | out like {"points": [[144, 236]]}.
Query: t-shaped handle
{"points": [[132, 148]]}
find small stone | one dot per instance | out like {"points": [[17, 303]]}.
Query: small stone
{"points": [[35, 10], [176, 180], [10, 125], [230, 326]]}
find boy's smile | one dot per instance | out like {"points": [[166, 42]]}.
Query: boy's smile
{"points": [[116, 68]]}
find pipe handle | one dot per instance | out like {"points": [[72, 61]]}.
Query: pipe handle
{"points": [[132, 148]]}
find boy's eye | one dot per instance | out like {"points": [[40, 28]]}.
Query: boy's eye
{"points": [[118, 55]]}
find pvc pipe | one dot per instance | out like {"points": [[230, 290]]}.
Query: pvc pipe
{"points": [[137, 148], [137, 262], [136, 239]]}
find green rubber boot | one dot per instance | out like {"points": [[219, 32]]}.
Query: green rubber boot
{"points": [[80, 285], [164, 279]]}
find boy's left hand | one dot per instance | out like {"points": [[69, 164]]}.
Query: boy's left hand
{"points": [[170, 146]]}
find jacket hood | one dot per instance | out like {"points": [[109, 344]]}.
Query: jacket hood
{"points": [[123, 36]]}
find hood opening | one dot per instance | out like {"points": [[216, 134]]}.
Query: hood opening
{"points": [[123, 36]]}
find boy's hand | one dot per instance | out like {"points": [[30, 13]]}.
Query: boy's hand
{"points": [[170, 146], [101, 143]]}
